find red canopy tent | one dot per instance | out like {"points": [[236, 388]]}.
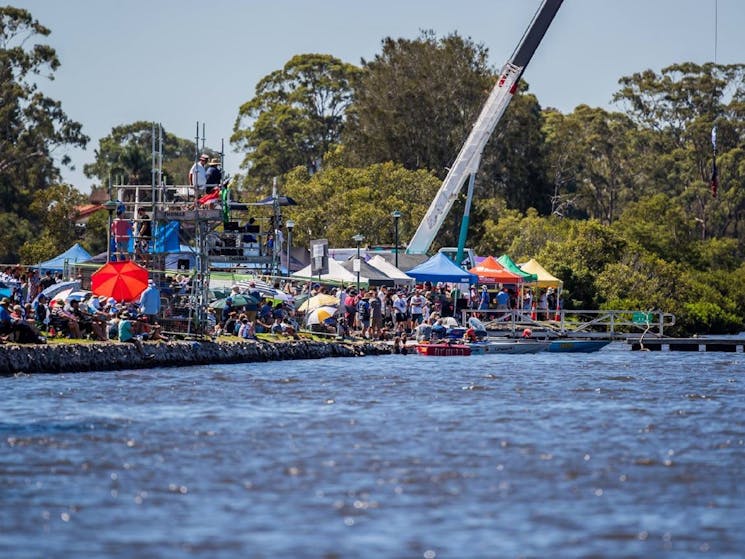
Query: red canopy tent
{"points": [[491, 271]]}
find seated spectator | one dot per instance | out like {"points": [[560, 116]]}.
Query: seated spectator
{"points": [[246, 330], [88, 325], [63, 321], [127, 334]]}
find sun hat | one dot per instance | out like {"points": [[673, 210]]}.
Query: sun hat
{"points": [[214, 161], [4, 301]]}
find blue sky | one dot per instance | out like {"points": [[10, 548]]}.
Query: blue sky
{"points": [[182, 61]]}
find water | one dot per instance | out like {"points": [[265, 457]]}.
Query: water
{"points": [[612, 454]]}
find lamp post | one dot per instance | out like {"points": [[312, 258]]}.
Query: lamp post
{"points": [[290, 224], [109, 206], [396, 216], [358, 238]]}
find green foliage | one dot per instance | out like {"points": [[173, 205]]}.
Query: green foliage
{"points": [[296, 115], [339, 202], [38, 249], [125, 156], [14, 232], [585, 252], [415, 105], [96, 233], [32, 125], [416, 101]]}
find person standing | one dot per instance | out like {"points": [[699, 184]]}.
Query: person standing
{"points": [[121, 230], [198, 175], [150, 302], [416, 308], [213, 175]]}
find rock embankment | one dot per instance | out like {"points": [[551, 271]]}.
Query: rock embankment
{"points": [[72, 358]]}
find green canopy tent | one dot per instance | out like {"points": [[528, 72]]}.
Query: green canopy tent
{"points": [[510, 265]]}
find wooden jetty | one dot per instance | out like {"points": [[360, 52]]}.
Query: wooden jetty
{"points": [[731, 345]]}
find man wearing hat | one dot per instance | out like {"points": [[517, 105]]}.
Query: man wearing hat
{"points": [[198, 173], [127, 334], [213, 175], [150, 302]]}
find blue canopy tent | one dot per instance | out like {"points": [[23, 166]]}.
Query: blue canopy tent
{"points": [[73, 255], [440, 268]]}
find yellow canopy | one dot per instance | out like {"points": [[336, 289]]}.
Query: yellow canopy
{"points": [[544, 278]]}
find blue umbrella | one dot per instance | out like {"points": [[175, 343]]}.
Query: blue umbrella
{"points": [[55, 288]]}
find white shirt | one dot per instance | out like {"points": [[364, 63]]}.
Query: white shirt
{"points": [[198, 175]]}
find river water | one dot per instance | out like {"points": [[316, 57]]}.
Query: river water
{"points": [[612, 454]]}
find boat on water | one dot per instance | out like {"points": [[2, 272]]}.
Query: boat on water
{"points": [[508, 346], [482, 347], [576, 346]]}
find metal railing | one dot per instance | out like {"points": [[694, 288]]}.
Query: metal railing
{"points": [[578, 323]]}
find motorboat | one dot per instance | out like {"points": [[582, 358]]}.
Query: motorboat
{"points": [[576, 346], [508, 346]]}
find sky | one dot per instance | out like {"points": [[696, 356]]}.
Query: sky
{"points": [[179, 62]]}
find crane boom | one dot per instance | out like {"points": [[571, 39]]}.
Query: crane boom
{"points": [[468, 159]]}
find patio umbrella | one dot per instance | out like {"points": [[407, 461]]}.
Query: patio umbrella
{"points": [[320, 315], [56, 288], [320, 300], [238, 300], [124, 281]]}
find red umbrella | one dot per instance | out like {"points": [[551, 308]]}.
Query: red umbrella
{"points": [[124, 281]]}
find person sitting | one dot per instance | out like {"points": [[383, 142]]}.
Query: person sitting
{"points": [[148, 330], [438, 330], [62, 320], [470, 335], [127, 334], [86, 322], [246, 330]]}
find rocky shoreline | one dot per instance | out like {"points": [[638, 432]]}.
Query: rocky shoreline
{"points": [[74, 358]]}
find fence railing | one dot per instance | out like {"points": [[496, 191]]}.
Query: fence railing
{"points": [[580, 323]]}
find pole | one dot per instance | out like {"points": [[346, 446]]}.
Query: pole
{"points": [[290, 224], [358, 238], [396, 215]]}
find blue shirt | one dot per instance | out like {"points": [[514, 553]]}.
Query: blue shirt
{"points": [[503, 298], [150, 300], [4, 314]]}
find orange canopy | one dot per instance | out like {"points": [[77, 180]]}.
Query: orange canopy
{"points": [[491, 271]]}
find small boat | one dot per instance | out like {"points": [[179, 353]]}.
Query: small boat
{"points": [[508, 346], [576, 346]]}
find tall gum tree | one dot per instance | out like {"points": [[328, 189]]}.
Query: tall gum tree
{"points": [[34, 130], [295, 117]]}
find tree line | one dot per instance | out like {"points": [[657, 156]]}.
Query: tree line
{"points": [[617, 203]]}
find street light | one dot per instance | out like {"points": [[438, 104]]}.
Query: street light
{"points": [[396, 216], [358, 238], [110, 206], [290, 224]]}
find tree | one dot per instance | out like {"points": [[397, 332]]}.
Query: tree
{"points": [[339, 202], [681, 105], [32, 125], [296, 115], [416, 101], [592, 155], [56, 210], [125, 156]]}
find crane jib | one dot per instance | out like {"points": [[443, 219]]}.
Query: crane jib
{"points": [[468, 159]]}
